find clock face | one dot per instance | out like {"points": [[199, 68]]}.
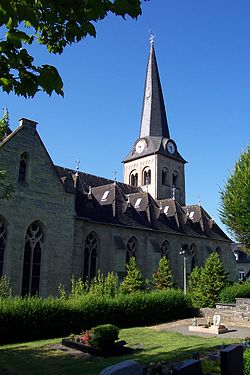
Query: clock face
{"points": [[140, 145], [171, 147]]}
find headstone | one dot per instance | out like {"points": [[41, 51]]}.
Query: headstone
{"points": [[231, 360], [189, 367], [216, 320], [123, 368]]}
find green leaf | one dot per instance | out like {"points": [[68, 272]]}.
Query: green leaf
{"points": [[50, 80]]}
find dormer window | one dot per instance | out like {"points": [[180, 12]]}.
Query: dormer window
{"points": [[138, 202], [105, 196], [23, 167]]}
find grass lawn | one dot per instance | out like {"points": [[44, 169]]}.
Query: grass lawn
{"points": [[37, 358]]}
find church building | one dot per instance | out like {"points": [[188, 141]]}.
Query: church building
{"points": [[61, 222]]}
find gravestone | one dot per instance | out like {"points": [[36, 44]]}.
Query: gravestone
{"points": [[123, 368], [231, 360], [216, 320], [189, 367]]}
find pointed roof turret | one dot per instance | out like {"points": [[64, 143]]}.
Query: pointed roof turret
{"points": [[153, 120]]}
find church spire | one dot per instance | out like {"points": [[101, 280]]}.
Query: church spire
{"points": [[153, 120]]}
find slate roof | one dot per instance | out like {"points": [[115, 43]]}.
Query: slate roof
{"points": [[106, 201], [154, 125]]}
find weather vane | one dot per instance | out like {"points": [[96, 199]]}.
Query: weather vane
{"points": [[151, 39], [77, 165]]}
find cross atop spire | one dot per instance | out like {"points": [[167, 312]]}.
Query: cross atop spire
{"points": [[153, 120], [151, 39]]}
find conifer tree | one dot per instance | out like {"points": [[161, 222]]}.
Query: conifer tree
{"points": [[206, 283], [163, 278], [133, 280], [5, 189]]}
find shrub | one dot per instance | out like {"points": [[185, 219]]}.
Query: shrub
{"points": [[5, 289], [104, 336], [30, 318], [133, 280], [230, 293], [246, 358], [163, 278]]}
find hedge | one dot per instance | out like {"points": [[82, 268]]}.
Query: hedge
{"points": [[230, 293], [33, 318]]}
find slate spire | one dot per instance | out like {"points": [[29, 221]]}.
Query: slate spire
{"points": [[153, 119]]}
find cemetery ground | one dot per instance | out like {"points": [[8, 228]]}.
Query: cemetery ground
{"points": [[151, 343]]}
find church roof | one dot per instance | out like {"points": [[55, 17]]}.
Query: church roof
{"points": [[107, 201]]}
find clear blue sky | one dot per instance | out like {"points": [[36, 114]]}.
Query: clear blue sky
{"points": [[203, 54]]}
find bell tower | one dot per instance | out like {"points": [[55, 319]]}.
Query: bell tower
{"points": [[154, 162]]}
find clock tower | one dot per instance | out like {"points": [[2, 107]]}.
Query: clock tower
{"points": [[154, 163]]}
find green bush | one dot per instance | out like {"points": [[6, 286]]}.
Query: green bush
{"points": [[104, 336], [246, 358], [230, 293], [31, 318]]}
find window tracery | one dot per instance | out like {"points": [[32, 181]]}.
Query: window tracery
{"points": [[32, 259], [132, 246], [90, 256]]}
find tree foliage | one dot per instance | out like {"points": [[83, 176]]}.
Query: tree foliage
{"points": [[206, 283], [5, 189], [235, 200], [163, 278], [133, 280], [54, 24]]}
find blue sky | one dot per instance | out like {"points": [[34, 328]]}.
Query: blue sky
{"points": [[203, 54]]}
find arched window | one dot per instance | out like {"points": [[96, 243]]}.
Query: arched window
{"points": [[132, 247], [3, 237], [23, 167], [175, 179], [146, 176], [193, 254], [133, 178], [164, 249], [90, 256], [164, 176], [32, 259]]}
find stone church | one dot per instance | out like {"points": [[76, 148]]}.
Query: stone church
{"points": [[60, 222]]}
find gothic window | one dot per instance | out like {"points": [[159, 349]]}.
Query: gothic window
{"points": [[175, 179], [32, 259], [23, 167], [193, 254], [132, 247], [164, 176], [146, 176], [90, 256], [133, 178], [3, 236], [164, 249]]}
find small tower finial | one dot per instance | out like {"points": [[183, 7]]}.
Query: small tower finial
{"points": [[114, 174], [199, 200], [77, 166], [151, 38]]}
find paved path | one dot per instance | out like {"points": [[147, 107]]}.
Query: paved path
{"points": [[181, 326]]}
